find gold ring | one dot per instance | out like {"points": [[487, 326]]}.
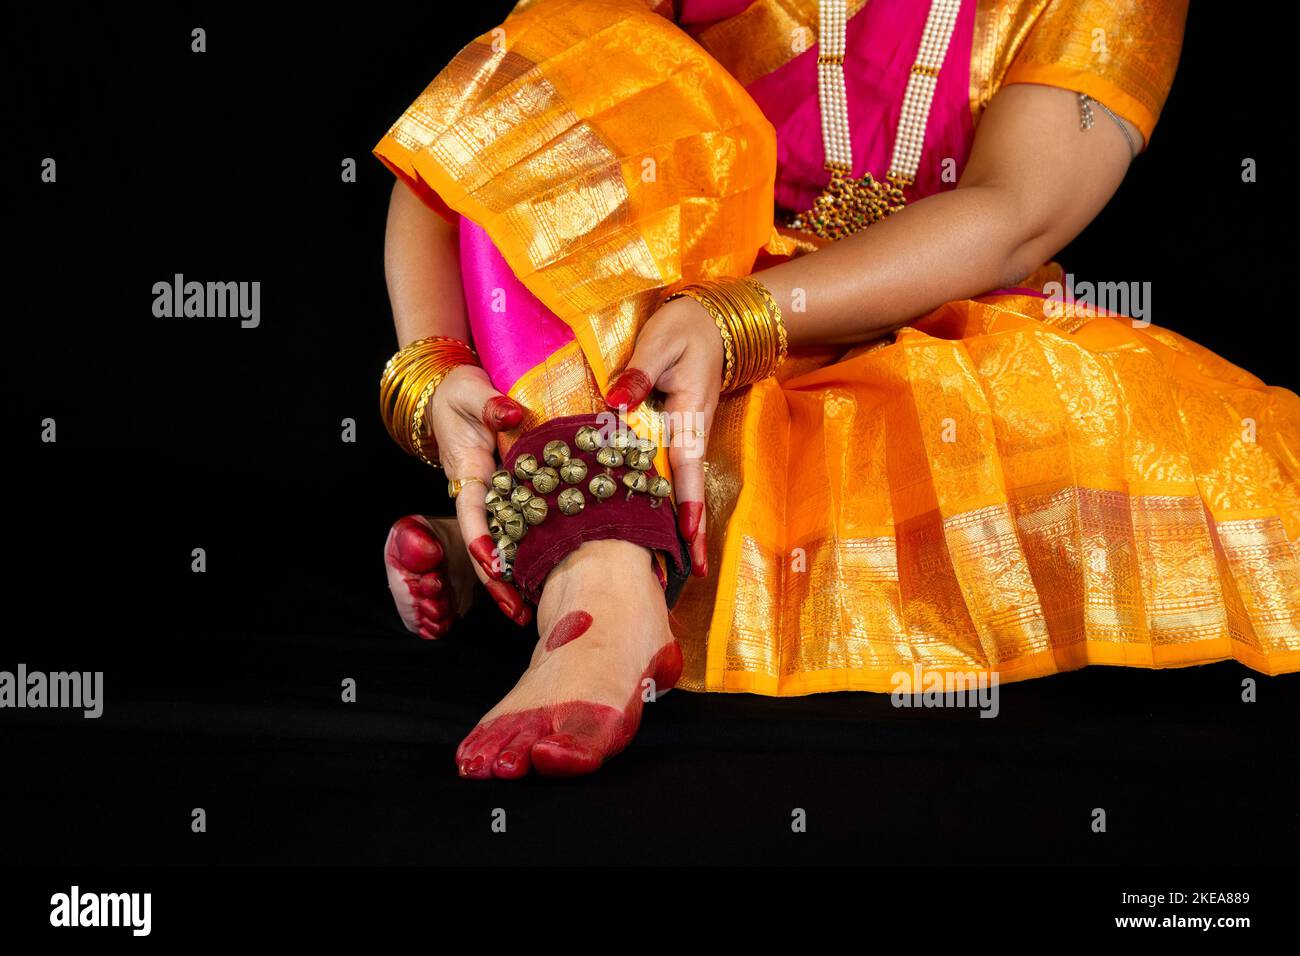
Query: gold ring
{"points": [[456, 485]]}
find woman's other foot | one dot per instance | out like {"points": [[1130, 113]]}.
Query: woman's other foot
{"points": [[429, 574]]}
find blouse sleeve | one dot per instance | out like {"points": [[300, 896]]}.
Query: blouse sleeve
{"points": [[1122, 53]]}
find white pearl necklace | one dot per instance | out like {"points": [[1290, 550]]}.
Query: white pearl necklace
{"points": [[910, 135]]}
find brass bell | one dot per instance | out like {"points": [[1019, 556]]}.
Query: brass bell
{"points": [[519, 497], [610, 457], [588, 438], [619, 440], [512, 523], [602, 486], [494, 527], [502, 482], [571, 501], [635, 481], [507, 548], [525, 467], [573, 471], [534, 510], [546, 480], [556, 453], [660, 487], [640, 459], [494, 500]]}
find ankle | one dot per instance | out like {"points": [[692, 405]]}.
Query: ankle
{"points": [[603, 555], [606, 573]]}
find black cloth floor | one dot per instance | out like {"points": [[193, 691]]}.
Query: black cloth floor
{"points": [[223, 692]]}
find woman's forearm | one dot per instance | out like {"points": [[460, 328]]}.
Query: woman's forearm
{"points": [[952, 245], [1033, 181], [422, 265]]}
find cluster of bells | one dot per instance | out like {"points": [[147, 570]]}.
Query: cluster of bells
{"points": [[515, 502], [849, 205]]}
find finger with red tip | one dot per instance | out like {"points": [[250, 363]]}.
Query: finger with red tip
{"points": [[700, 555], [686, 455], [511, 604], [629, 390], [689, 514], [484, 551], [477, 463], [501, 413]]}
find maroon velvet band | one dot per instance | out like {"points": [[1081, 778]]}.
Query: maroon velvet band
{"points": [[617, 517]]}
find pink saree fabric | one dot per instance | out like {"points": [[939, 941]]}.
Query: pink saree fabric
{"points": [[512, 330]]}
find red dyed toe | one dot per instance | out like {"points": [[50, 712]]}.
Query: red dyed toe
{"points": [[434, 610], [563, 755], [514, 761], [418, 550]]}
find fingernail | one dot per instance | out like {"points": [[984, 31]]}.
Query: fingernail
{"points": [[506, 759], [483, 548], [501, 413], [476, 764], [629, 389], [511, 604], [464, 768], [688, 518], [700, 556], [519, 613]]}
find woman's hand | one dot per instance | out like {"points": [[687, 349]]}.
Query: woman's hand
{"points": [[679, 352], [464, 415]]}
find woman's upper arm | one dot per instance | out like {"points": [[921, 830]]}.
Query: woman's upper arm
{"points": [[1055, 176]]}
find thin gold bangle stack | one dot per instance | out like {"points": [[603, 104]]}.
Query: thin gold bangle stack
{"points": [[753, 334], [407, 385]]}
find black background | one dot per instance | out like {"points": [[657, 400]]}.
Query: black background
{"points": [[222, 689]]}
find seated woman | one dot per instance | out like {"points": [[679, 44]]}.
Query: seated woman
{"points": [[885, 455]]}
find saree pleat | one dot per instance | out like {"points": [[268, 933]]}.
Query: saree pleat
{"points": [[996, 489]]}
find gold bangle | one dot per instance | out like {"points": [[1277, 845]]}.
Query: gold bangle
{"points": [[754, 340], [409, 380], [774, 315]]}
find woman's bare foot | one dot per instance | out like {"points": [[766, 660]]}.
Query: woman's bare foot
{"points": [[429, 574], [604, 635]]}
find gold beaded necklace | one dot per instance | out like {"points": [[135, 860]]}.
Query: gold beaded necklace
{"points": [[849, 205]]}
